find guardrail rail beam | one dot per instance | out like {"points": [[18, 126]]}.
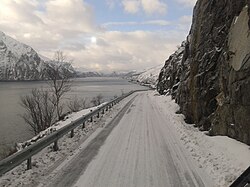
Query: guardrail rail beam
{"points": [[19, 157], [243, 180]]}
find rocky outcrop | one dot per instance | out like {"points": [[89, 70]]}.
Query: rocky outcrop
{"points": [[211, 82], [172, 72], [20, 62]]}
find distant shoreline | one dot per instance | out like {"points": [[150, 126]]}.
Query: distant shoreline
{"points": [[22, 80], [48, 80]]}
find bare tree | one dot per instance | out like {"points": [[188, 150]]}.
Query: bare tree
{"points": [[6, 150], [59, 80], [40, 110], [44, 107], [97, 100], [76, 104]]}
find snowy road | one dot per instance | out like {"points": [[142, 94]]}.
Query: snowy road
{"points": [[140, 142], [138, 148]]}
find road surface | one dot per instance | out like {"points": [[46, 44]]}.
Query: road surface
{"points": [[138, 148]]}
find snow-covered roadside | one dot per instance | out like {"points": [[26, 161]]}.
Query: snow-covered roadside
{"points": [[60, 124], [47, 160], [223, 158]]}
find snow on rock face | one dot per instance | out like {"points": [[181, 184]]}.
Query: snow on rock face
{"points": [[171, 73], [19, 61], [17, 48], [239, 42], [214, 84]]}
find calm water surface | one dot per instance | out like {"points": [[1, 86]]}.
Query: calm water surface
{"points": [[13, 128]]}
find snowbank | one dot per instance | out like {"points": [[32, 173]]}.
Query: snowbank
{"points": [[222, 157]]}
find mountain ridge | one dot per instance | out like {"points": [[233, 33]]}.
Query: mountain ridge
{"points": [[19, 61]]}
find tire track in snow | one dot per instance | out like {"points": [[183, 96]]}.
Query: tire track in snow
{"points": [[72, 172], [141, 151], [174, 147]]}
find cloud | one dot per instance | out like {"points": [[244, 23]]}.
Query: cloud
{"points": [[16, 11], [188, 3], [157, 22], [46, 24], [131, 6], [69, 25], [154, 6], [111, 3], [184, 23], [68, 15], [150, 22], [119, 51], [148, 6], [185, 19]]}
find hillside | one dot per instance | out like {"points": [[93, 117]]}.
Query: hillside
{"points": [[148, 77], [210, 80], [19, 61]]}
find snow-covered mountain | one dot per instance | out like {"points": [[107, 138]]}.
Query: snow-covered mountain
{"points": [[148, 77], [19, 61]]}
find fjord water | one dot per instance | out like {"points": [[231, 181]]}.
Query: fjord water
{"points": [[12, 126]]}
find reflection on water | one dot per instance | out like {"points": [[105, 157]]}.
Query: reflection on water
{"points": [[13, 128]]}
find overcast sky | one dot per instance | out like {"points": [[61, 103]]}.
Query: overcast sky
{"points": [[100, 35]]}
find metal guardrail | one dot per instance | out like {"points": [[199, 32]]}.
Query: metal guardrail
{"points": [[243, 180], [16, 159]]}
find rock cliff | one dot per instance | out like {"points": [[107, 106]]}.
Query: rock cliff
{"points": [[20, 62], [209, 76]]}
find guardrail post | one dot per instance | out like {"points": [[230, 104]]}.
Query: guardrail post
{"points": [[29, 164], [55, 147], [72, 133], [83, 125], [98, 114]]}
